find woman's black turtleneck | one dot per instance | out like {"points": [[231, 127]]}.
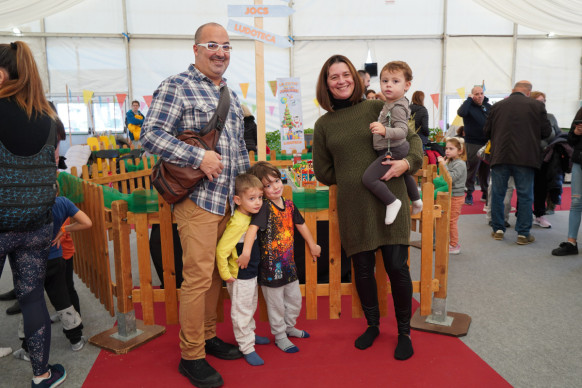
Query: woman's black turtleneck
{"points": [[340, 104]]}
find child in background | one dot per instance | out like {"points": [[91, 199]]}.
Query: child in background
{"points": [[389, 139], [242, 283], [277, 270], [455, 158], [55, 283]]}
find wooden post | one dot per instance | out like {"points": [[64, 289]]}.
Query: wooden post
{"points": [[311, 269], [426, 253], [260, 79], [167, 239], [335, 257]]}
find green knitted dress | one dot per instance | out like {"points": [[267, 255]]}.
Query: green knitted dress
{"points": [[342, 150]]}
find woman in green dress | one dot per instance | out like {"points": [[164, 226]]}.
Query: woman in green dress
{"points": [[342, 150]]}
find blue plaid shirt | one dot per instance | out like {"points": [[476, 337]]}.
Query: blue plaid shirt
{"points": [[187, 101]]}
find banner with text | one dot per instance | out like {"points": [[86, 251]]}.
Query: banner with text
{"points": [[258, 34], [263, 11], [290, 114]]}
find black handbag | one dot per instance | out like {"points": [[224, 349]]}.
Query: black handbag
{"points": [[174, 182]]}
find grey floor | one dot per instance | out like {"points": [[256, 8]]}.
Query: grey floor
{"points": [[524, 303]]}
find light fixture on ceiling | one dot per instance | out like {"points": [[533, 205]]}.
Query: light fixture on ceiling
{"points": [[551, 34], [16, 31]]}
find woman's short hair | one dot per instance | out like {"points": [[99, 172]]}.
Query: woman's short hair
{"points": [[322, 92], [418, 98], [535, 94]]}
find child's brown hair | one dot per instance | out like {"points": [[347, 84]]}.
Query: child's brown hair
{"points": [[264, 170], [398, 66], [246, 181]]}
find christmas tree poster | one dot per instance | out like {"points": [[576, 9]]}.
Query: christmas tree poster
{"points": [[290, 114]]}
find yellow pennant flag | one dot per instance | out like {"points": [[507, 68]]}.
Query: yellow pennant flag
{"points": [[244, 87], [273, 85], [87, 96], [458, 121], [461, 92], [316, 102]]}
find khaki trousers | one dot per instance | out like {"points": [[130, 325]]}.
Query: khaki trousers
{"points": [[199, 232]]}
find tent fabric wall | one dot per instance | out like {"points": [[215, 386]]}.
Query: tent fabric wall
{"points": [[14, 13], [86, 64], [85, 48], [559, 16]]}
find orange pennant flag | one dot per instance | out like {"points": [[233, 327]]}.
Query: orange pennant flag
{"points": [[148, 100], [273, 85], [435, 99], [244, 87], [121, 99]]}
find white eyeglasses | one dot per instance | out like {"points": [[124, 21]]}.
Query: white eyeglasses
{"points": [[215, 46]]}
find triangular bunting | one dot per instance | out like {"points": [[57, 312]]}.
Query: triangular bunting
{"points": [[244, 87], [273, 85], [316, 102], [271, 109], [254, 106], [87, 96], [435, 99], [458, 121], [121, 99], [148, 100], [461, 93]]}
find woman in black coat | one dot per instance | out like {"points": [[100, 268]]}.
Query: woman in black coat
{"points": [[420, 114]]}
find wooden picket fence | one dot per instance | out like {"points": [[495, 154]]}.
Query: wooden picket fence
{"points": [[116, 224]]}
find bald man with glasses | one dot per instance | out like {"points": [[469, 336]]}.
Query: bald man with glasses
{"points": [[187, 101]]}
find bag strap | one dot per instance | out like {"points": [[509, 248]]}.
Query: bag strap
{"points": [[52, 137], [218, 120]]}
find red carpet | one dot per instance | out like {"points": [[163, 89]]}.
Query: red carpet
{"points": [[477, 207], [327, 359]]}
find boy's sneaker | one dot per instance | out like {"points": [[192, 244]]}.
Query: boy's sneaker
{"points": [[524, 240], [21, 354], [542, 222], [455, 250], [566, 248], [56, 377], [200, 373], [469, 199], [79, 345], [498, 235]]}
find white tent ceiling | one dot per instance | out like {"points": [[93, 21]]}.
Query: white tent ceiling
{"points": [[450, 44]]}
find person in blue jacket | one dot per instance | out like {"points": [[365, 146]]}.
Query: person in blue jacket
{"points": [[134, 119], [474, 112]]}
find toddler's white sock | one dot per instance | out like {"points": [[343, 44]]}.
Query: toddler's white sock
{"points": [[392, 211]]}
